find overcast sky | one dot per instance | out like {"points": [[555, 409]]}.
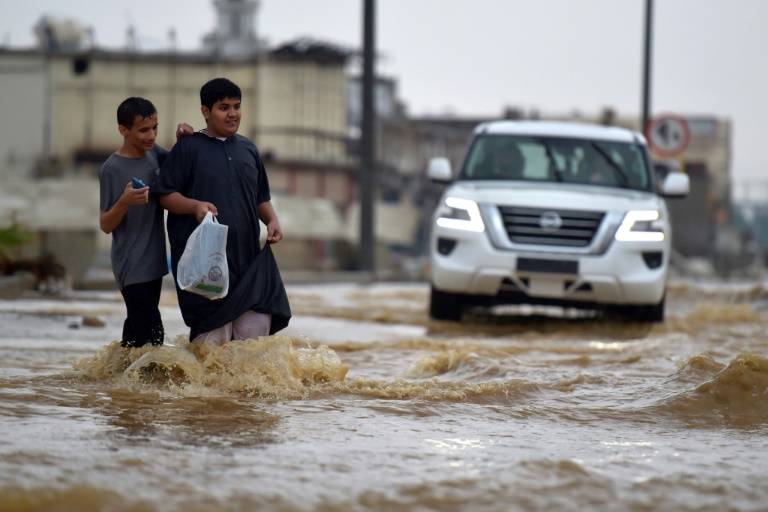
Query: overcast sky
{"points": [[476, 57]]}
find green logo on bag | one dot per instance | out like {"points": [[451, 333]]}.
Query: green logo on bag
{"points": [[209, 288]]}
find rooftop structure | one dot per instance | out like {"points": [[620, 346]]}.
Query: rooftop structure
{"points": [[235, 34]]}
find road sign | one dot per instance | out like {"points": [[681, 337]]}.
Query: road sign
{"points": [[668, 135]]}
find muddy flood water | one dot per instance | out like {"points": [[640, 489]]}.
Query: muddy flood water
{"points": [[364, 404]]}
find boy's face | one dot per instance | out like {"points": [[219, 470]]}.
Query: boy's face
{"points": [[223, 119], [141, 136]]}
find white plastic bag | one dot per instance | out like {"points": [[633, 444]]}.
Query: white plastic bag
{"points": [[203, 269]]}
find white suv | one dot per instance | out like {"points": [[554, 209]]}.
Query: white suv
{"points": [[552, 213]]}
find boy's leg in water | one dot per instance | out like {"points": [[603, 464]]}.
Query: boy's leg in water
{"points": [[251, 325], [215, 337], [143, 324], [128, 335]]}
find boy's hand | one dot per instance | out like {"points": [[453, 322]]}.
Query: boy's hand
{"points": [[274, 233], [202, 208], [183, 130], [132, 196]]}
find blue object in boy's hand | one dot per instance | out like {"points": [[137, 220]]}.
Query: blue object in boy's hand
{"points": [[137, 183]]}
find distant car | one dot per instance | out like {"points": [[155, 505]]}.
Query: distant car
{"points": [[552, 213]]}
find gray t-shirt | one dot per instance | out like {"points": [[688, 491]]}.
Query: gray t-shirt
{"points": [[138, 242]]}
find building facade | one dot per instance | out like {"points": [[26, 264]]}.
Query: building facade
{"points": [[64, 103]]}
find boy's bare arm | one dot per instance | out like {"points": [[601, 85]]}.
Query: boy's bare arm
{"points": [[179, 204], [268, 216], [110, 219]]}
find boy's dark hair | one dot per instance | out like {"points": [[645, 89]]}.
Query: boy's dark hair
{"points": [[218, 89], [132, 108]]}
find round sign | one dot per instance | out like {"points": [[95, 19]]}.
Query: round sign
{"points": [[668, 134]]}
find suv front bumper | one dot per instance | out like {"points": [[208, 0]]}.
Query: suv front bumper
{"points": [[627, 272]]}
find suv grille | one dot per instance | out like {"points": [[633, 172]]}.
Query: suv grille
{"points": [[540, 226]]}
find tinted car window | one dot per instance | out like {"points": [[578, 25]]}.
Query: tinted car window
{"points": [[599, 163]]}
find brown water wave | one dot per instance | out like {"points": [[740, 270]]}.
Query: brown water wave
{"points": [[86, 498], [735, 394], [280, 367], [80, 497]]}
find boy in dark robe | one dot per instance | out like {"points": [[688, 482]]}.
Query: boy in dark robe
{"points": [[220, 171]]}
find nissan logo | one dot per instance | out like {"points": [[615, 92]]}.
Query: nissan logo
{"points": [[550, 221]]}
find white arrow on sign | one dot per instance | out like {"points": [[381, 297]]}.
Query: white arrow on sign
{"points": [[668, 135]]}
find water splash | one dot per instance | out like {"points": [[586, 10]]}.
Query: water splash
{"points": [[268, 367]]}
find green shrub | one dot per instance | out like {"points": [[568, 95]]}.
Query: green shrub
{"points": [[14, 236]]}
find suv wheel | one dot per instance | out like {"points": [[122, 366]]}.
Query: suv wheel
{"points": [[653, 313], [446, 305]]}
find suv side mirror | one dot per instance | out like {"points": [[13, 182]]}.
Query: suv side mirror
{"points": [[676, 184], [439, 169]]}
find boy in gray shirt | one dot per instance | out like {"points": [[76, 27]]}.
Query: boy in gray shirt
{"points": [[135, 220]]}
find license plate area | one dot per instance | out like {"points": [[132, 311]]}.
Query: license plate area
{"points": [[548, 266]]}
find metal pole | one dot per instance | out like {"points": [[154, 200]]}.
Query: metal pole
{"points": [[367, 172], [647, 65], [47, 112]]}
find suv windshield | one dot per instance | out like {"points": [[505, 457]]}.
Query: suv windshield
{"points": [[533, 158]]}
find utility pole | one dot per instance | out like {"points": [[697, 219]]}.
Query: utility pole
{"points": [[47, 111], [647, 65], [367, 172]]}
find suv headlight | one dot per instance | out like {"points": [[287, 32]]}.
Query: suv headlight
{"points": [[641, 226], [461, 214]]}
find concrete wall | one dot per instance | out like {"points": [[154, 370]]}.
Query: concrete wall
{"points": [[22, 102], [302, 111], [294, 110]]}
